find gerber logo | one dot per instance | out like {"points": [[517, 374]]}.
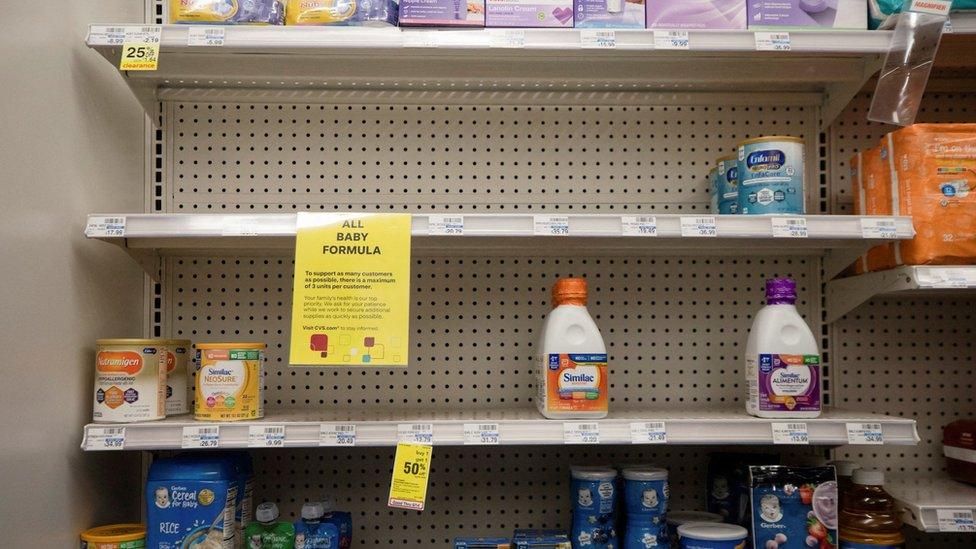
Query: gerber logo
{"points": [[761, 161]]}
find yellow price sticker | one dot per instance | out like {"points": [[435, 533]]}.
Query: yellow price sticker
{"points": [[411, 466], [140, 48]]}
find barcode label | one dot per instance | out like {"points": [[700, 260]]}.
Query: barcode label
{"points": [[99, 226], [956, 520], [420, 39], [639, 225], [648, 432], [105, 438], [790, 433], [581, 433], [790, 227], [481, 433], [200, 35], [551, 225], [100, 35], [865, 433], [416, 433], [439, 225], [597, 39], [671, 40], [266, 436], [955, 277], [331, 434], [773, 41], [143, 35], [507, 38], [201, 436], [878, 228], [698, 226], [231, 226]]}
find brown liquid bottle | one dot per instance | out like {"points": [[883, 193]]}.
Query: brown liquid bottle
{"points": [[869, 517]]}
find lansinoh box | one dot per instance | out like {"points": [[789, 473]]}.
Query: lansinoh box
{"points": [[609, 14], [529, 13], [442, 13]]}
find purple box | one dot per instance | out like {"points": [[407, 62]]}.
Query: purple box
{"points": [[696, 14], [609, 14], [827, 14], [442, 13], [529, 13]]}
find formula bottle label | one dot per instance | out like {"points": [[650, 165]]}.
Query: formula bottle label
{"points": [[786, 382], [576, 382]]}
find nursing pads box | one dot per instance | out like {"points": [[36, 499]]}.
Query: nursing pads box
{"points": [[696, 14], [823, 14], [529, 13], [609, 14], [442, 13]]}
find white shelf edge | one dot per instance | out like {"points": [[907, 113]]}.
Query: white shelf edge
{"points": [[924, 497], [846, 294]]}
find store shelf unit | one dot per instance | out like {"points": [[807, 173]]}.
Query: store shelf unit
{"points": [[846, 294], [518, 426], [934, 504]]}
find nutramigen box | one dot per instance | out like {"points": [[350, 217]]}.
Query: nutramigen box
{"points": [[442, 13], [529, 13], [826, 14], [610, 14], [696, 14]]}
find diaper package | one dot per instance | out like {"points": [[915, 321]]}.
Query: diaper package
{"points": [[342, 12], [883, 14], [190, 503], [793, 507], [227, 12]]}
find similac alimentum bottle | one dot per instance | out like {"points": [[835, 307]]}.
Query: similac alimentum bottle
{"points": [[782, 359], [870, 517], [572, 370]]}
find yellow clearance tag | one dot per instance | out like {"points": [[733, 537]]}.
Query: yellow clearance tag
{"points": [[351, 301], [408, 489], [140, 48]]}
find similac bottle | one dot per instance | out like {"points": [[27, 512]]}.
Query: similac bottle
{"points": [[782, 358], [870, 517], [572, 357]]}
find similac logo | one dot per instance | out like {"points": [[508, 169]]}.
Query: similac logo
{"points": [[579, 378], [129, 362], [760, 161]]}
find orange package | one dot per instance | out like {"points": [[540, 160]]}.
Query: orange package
{"points": [[876, 196]]}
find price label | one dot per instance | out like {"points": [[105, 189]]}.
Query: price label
{"points": [[638, 225], [948, 278], [481, 433], [266, 436], [231, 226], [703, 226], [507, 38], [790, 227], [105, 226], [411, 468], [648, 432], [140, 48], [416, 433], [101, 35], [551, 225], [865, 433], [956, 520], [420, 39], [671, 40], [331, 434], [201, 436], [790, 433], [439, 225], [878, 228], [773, 41], [105, 438], [581, 433], [204, 35], [598, 39]]}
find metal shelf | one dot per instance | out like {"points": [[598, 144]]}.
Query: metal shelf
{"points": [[841, 238], [928, 499], [846, 294], [519, 426]]}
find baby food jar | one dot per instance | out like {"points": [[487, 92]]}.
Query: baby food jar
{"points": [[711, 535], [230, 381], [130, 381], [646, 490], [114, 536], [176, 356], [643, 531]]}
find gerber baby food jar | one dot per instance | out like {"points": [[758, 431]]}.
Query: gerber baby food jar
{"points": [[711, 535], [114, 536], [130, 381], [770, 171], [230, 381], [646, 490]]}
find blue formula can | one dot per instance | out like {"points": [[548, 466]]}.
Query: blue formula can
{"points": [[594, 496], [727, 184], [713, 187], [645, 491], [770, 171], [645, 532]]}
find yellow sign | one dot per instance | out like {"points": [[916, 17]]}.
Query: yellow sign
{"points": [[140, 48], [351, 305], [411, 467]]}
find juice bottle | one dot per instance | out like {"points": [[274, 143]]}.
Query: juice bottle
{"points": [[572, 369], [845, 470], [869, 516]]}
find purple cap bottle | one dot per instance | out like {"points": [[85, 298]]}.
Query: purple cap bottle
{"points": [[780, 291]]}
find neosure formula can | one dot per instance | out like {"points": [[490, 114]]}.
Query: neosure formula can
{"points": [[176, 355], [230, 381], [130, 381], [770, 171]]}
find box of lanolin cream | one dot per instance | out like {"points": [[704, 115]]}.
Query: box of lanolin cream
{"points": [[442, 13], [806, 14], [529, 13]]}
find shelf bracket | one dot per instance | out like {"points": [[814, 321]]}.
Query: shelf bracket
{"points": [[149, 260], [846, 294]]}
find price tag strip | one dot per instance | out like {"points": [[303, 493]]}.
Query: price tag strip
{"points": [[201, 436], [703, 226], [101, 35], [420, 39], [581, 433], [105, 438], [332, 434], [878, 228], [551, 225], [205, 35], [507, 38], [865, 433], [671, 40], [773, 41], [648, 432], [100, 226], [440, 225], [481, 434], [140, 48], [956, 520], [639, 225], [595, 39], [415, 433], [790, 433], [265, 436], [790, 227], [411, 469]]}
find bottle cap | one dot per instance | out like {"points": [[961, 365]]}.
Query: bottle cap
{"points": [[312, 510], [844, 468], [328, 505], [266, 512], [569, 291], [780, 291], [868, 477]]}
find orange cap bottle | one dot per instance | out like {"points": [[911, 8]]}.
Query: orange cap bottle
{"points": [[569, 291]]}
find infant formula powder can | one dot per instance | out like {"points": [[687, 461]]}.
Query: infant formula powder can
{"points": [[114, 536], [130, 381], [176, 355], [727, 184], [770, 171], [230, 381], [713, 182], [646, 490]]}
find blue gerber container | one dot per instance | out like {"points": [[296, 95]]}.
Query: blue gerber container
{"points": [[645, 532], [594, 496], [187, 500], [711, 535], [645, 491], [770, 171]]}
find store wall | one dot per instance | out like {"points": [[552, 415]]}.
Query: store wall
{"points": [[71, 143]]}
